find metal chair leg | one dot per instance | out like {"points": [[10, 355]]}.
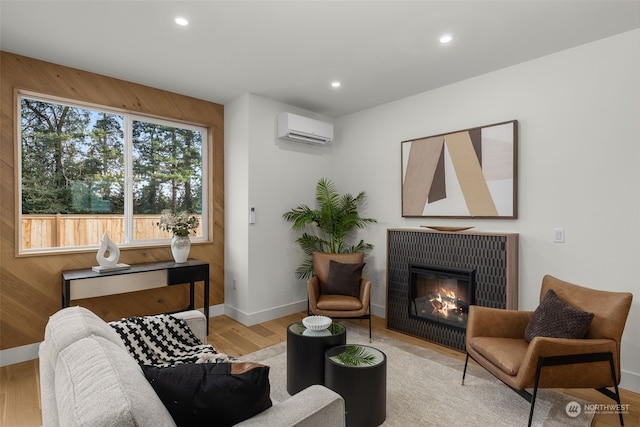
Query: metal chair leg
{"points": [[535, 389], [615, 396], [464, 372]]}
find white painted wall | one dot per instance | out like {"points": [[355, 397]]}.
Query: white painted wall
{"points": [[579, 150], [236, 202], [578, 169], [274, 176]]}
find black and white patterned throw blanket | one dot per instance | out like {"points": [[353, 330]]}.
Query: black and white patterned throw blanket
{"points": [[165, 340]]}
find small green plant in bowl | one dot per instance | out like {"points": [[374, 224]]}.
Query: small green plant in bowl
{"points": [[355, 355]]}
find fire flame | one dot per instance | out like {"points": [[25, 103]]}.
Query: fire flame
{"points": [[444, 302]]}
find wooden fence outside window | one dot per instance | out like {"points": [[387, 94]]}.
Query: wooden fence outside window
{"points": [[63, 230]]}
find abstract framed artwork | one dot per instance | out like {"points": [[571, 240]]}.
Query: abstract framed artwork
{"points": [[470, 173]]}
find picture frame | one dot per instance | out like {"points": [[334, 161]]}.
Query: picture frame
{"points": [[471, 173]]}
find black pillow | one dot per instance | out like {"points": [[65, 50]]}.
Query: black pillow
{"points": [[211, 394], [556, 319], [344, 279]]}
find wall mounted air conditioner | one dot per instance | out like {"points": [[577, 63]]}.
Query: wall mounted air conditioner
{"points": [[303, 129]]}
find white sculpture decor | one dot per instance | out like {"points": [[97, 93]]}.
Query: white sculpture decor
{"points": [[110, 262]]}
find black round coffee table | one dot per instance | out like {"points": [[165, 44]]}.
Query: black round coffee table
{"points": [[361, 383], [305, 354]]}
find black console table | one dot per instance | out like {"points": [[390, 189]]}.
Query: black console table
{"points": [[177, 273]]}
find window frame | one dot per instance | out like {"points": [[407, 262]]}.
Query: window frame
{"points": [[129, 117]]}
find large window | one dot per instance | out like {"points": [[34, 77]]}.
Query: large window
{"points": [[87, 170]]}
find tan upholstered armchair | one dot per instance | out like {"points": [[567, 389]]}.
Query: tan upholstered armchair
{"points": [[495, 339], [323, 299]]}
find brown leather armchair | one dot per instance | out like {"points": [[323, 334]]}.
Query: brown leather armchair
{"points": [[495, 340], [335, 306]]}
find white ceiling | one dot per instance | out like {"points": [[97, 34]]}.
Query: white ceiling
{"points": [[290, 51]]}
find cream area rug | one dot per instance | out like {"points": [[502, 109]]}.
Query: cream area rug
{"points": [[423, 389]]}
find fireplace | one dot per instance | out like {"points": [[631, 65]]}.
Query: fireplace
{"points": [[491, 257], [441, 295]]}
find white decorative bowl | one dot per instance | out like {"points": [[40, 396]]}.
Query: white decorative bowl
{"points": [[312, 333], [317, 323]]}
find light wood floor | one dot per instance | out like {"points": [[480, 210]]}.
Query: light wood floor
{"points": [[19, 383]]}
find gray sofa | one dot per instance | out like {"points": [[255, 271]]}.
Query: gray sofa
{"points": [[88, 378]]}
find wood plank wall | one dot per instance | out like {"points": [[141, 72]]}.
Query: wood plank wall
{"points": [[30, 285]]}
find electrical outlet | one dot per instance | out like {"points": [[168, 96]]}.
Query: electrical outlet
{"points": [[235, 282]]}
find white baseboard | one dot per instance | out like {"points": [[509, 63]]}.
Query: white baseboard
{"points": [[630, 381], [379, 310], [216, 310], [20, 354], [250, 319]]}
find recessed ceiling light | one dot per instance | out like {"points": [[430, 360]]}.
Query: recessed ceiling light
{"points": [[335, 84], [183, 22], [445, 38]]}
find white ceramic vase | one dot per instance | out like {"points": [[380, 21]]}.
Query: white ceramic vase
{"points": [[180, 247]]}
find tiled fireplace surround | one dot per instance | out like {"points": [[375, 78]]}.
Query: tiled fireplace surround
{"points": [[494, 256]]}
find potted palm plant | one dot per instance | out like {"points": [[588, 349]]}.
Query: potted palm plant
{"points": [[329, 227]]}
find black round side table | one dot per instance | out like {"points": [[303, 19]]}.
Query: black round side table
{"points": [[305, 354], [363, 386]]}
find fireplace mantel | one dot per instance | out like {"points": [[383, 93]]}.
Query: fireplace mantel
{"points": [[494, 256]]}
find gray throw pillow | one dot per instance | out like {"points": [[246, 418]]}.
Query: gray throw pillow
{"points": [[344, 279], [556, 319]]}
